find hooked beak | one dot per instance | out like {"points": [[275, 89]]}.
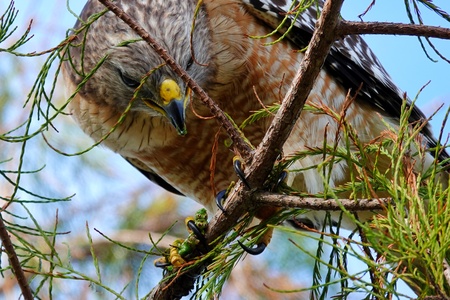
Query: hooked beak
{"points": [[174, 105]]}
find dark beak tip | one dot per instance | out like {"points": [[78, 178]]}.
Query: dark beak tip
{"points": [[181, 132], [175, 112]]}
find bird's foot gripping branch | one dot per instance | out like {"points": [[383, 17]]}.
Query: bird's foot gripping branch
{"points": [[183, 252]]}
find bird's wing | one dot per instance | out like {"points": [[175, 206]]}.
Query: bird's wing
{"points": [[350, 61], [152, 176]]}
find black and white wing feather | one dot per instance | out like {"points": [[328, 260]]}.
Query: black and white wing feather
{"points": [[152, 176]]}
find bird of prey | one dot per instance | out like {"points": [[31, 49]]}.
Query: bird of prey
{"points": [[166, 131]]}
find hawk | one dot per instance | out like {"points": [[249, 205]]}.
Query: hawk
{"points": [[166, 132]]}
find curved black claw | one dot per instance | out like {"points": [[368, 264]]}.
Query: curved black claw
{"points": [[302, 223], [253, 251], [219, 199], [198, 234], [161, 265], [281, 179], [237, 165]]}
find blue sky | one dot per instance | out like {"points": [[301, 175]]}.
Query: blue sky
{"points": [[403, 57]]}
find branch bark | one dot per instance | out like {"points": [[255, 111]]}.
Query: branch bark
{"points": [[352, 28], [14, 261], [287, 201]]}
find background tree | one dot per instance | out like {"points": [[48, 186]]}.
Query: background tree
{"points": [[39, 220]]}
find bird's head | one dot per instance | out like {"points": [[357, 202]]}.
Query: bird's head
{"points": [[131, 70], [155, 91]]}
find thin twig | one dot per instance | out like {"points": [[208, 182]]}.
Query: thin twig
{"points": [[352, 28], [360, 16], [277, 200], [14, 261]]}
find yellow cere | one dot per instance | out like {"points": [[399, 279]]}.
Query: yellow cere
{"points": [[169, 91]]}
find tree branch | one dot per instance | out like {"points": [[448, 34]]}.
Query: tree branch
{"points": [[352, 28], [277, 200], [14, 261]]}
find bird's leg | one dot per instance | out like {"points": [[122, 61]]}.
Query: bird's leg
{"points": [[197, 227], [180, 251], [238, 168], [161, 263], [263, 213]]}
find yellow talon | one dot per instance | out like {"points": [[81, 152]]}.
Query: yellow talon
{"points": [[186, 221], [182, 250], [175, 258]]}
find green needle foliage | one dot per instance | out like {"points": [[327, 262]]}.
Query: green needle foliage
{"points": [[408, 240]]}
